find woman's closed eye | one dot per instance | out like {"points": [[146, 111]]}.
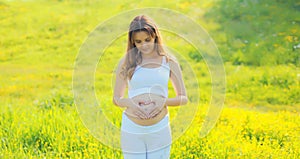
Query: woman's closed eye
{"points": [[139, 41]]}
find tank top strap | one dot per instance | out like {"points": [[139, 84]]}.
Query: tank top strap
{"points": [[164, 61]]}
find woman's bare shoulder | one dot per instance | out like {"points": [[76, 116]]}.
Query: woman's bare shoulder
{"points": [[122, 60], [172, 60], [120, 64]]}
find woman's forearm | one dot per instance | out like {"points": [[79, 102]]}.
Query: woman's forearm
{"points": [[176, 101], [122, 102]]}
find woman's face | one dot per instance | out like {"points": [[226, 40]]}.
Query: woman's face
{"points": [[144, 42]]}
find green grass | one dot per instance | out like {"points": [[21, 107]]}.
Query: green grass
{"points": [[40, 40], [258, 32]]}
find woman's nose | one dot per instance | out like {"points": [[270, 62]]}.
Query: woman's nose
{"points": [[144, 44]]}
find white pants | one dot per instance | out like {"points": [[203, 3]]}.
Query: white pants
{"points": [[146, 142]]}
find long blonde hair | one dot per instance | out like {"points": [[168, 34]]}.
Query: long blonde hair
{"points": [[133, 56]]}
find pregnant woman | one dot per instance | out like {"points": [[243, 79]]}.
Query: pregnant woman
{"points": [[145, 70]]}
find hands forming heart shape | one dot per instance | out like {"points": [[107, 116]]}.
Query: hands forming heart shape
{"points": [[147, 108]]}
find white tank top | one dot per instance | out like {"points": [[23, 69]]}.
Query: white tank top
{"points": [[150, 80]]}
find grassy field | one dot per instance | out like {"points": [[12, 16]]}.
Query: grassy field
{"points": [[39, 42]]}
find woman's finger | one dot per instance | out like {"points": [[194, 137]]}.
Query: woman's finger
{"points": [[155, 112], [155, 109], [142, 115]]}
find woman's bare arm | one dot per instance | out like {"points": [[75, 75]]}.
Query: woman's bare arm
{"points": [[119, 89], [178, 84]]}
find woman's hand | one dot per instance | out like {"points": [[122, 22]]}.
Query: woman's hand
{"points": [[135, 110], [154, 107], [146, 106]]}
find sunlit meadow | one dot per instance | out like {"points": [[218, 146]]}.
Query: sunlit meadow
{"points": [[258, 41]]}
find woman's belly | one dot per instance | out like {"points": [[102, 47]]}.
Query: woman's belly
{"points": [[150, 121]]}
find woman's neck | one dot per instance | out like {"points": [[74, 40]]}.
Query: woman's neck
{"points": [[153, 55]]}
